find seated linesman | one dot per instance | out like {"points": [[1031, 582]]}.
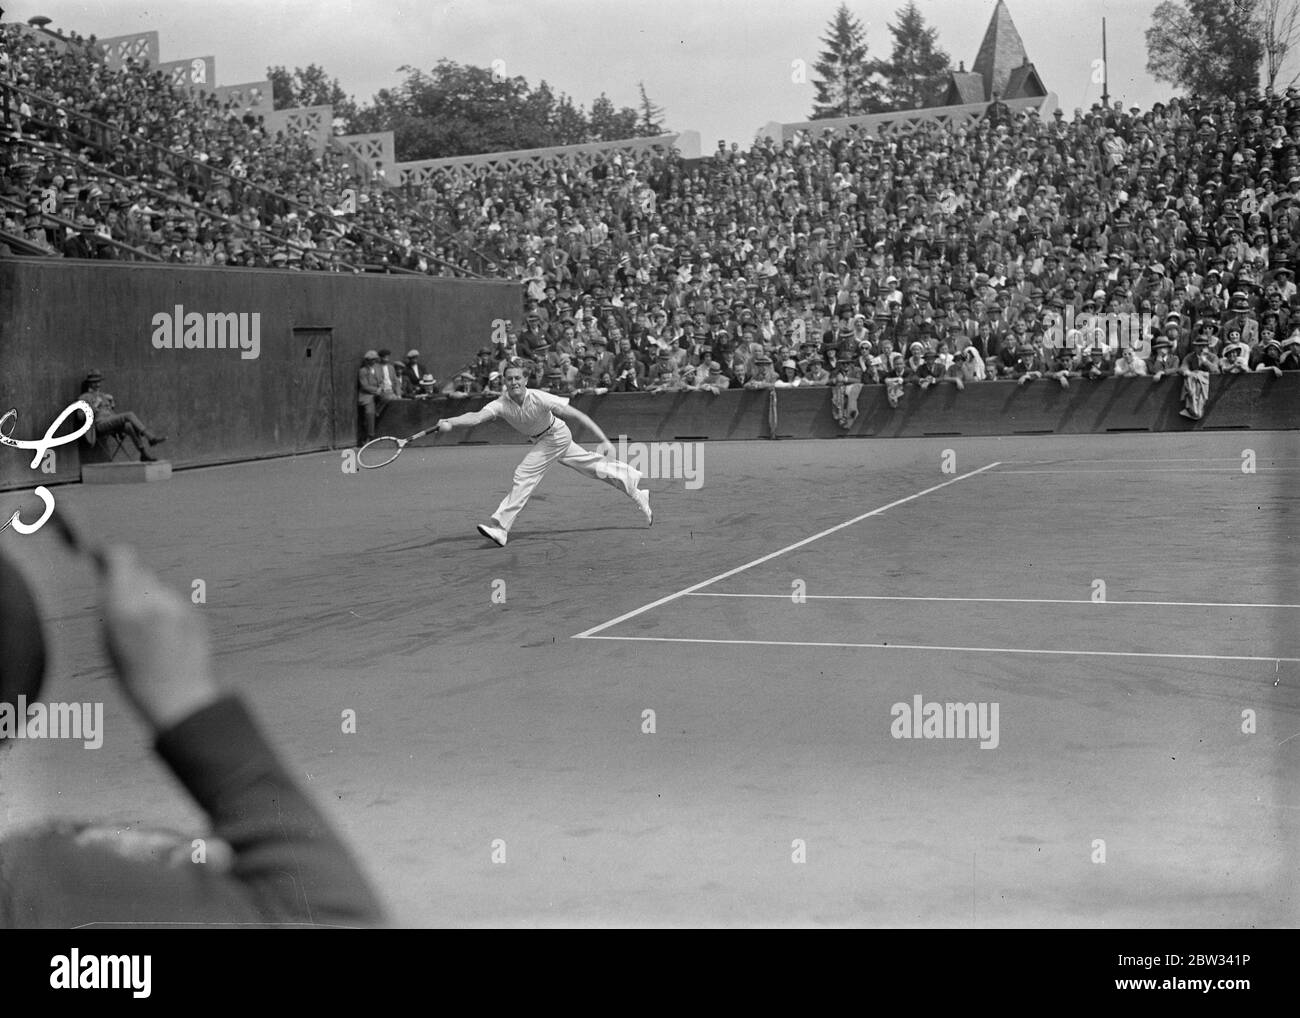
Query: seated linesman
{"points": [[110, 421]]}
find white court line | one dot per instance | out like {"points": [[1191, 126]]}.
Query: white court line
{"points": [[588, 633], [964, 650], [1132, 459], [1003, 600], [1157, 470]]}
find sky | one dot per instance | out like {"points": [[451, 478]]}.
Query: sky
{"points": [[724, 68]]}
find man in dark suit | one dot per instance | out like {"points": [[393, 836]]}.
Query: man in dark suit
{"points": [[390, 381], [412, 371], [368, 384]]}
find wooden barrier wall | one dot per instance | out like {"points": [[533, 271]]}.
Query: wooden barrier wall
{"points": [[59, 319], [1237, 402]]}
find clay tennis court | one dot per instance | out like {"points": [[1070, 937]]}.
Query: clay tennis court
{"points": [[1118, 722]]}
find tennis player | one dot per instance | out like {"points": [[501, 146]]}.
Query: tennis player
{"points": [[541, 416]]}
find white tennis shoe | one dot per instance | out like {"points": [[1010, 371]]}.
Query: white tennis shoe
{"points": [[643, 502], [495, 534]]}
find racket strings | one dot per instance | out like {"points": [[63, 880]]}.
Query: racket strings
{"points": [[379, 452]]}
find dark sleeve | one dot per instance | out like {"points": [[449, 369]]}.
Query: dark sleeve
{"points": [[288, 865]]}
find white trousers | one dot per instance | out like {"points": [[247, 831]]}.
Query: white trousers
{"points": [[558, 444]]}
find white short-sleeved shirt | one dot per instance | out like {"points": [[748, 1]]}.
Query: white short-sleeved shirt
{"points": [[530, 418]]}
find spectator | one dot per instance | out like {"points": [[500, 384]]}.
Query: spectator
{"points": [[1234, 358], [1164, 361], [368, 386], [462, 386], [1196, 370], [1290, 359], [1130, 363], [1098, 365], [716, 380], [110, 421], [557, 383], [272, 857], [930, 371], [662, 371], [968, 367], [390, 382], [997, 114], [1027, 366], [764, 376], [1065, 366], [412, 372]]}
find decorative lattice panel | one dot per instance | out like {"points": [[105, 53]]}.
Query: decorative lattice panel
{"points": [[884, 125], [254, 97], [374, 151], [313, 122], [197, 73], [561, 157], [140, 48]]}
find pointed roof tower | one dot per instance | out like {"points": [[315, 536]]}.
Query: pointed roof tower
{"points": [[1001, 52]]}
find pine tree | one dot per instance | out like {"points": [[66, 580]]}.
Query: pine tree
{"points": [[917, 70], [846, 87], [651, 123]]}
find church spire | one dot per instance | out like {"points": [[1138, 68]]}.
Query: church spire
{"points": [[1001, 52]]}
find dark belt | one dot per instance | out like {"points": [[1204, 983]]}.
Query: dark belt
{"points": [[544, 430]]}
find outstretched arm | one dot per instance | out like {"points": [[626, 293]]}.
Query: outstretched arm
{"points": [[470, 420], [571, 413]]}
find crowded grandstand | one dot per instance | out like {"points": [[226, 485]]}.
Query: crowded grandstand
{"points": [[1003, 246]]}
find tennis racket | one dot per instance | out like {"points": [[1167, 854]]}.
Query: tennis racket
{"points": [[379, 452]]}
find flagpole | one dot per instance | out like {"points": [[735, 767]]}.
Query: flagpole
{"points": [[1105, 68]]}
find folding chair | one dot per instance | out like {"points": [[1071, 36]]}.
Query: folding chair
{"points": [[106, 445]]}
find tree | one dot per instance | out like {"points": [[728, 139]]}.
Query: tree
{"points": [[1278, 34], [463, 110], [1212, 48], [846, 87], [310, 86], [568, 123], [917, 70], [609, 125], [650, 123]]}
